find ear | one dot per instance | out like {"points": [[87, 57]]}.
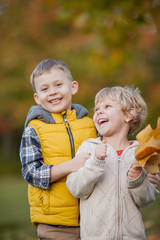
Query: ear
{"points": [[130, 115], [75, 87], [36, 98]]}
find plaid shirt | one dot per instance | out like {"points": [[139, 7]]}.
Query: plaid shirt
{"points": [[34, 171]]}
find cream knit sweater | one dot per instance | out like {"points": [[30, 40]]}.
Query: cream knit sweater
{"points": [[109, 202]]}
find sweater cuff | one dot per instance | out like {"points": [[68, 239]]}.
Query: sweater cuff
{"points": [[135, 183], [97, 162]]}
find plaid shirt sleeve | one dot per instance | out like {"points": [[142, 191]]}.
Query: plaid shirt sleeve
{"points": [[34, 171]]}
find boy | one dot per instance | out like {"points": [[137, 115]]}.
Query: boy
{"points": [[53, 132], [110, 189]]}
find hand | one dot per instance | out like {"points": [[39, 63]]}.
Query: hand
{"points": [[101, 150], [134, 172], [67, 167], [79, 160], [154, 178]]}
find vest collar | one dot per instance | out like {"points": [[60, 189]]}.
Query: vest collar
{"points": [[37, 112]]}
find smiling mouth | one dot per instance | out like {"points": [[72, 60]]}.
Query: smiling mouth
{"points": [[55, 101], [102, 121]]}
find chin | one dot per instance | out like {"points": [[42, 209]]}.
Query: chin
{"points": [[101, 133]]}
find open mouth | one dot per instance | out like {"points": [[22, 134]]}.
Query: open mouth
{"points": [[55, 101], [102, 121]]}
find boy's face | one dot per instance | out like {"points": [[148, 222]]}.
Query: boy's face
{"points": [[54, 91], [109, 118]]}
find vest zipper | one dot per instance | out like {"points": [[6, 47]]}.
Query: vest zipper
{"points": [[70, 135]]}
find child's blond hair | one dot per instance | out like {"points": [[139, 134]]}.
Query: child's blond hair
{"points": [[46, 66], [129, 98]]}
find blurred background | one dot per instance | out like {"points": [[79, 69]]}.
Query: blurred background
{"points": [[104, 43]]}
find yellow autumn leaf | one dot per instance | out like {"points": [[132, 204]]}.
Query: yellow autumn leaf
{"points": [[147, 154]]}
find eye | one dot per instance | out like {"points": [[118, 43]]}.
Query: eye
{"points": [[96, 109], [59, 84], [107, 106], [44, 89]]}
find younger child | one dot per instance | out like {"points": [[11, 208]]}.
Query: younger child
{"points": [[53, 132], [110, 188]]}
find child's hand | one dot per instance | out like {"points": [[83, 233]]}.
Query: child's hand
{"points": [[101, 150], [134, 172], [154, 178], [79, 160]]}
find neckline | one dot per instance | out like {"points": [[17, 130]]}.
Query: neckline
{"points": [[119, 152]]}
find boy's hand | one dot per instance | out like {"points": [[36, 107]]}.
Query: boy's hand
{"points": [[154, 178], [134, 172], [65, 168], [101, 150], [79, 160]]}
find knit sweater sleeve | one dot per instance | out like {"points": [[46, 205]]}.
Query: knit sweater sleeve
{"points": [[142, 191], [82, 182]]}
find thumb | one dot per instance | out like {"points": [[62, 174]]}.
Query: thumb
{"points": [[104, 141]]}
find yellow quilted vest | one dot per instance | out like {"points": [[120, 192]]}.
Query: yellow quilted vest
{"points": [[56, 206]]}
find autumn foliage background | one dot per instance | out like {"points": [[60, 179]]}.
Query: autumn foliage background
{"points": [[104, 43]]}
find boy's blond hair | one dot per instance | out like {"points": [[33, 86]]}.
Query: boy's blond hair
{"points": [[129, 98], [46, 66]]}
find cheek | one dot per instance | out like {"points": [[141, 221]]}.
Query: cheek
{"points": [[95, 123], [94, 119]]}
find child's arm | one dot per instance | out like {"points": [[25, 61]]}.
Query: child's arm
{"points": [[141, 190], [68, 167], [34, 171], [82, 182]]}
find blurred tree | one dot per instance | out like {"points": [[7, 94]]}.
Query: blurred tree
{"points": [[104, 43]]}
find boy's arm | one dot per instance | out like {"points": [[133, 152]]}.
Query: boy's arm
{"points": [[68, 167], [141, 190], [34, 171]]}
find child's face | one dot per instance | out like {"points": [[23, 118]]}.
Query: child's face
{"points": [[109, 118], [54, 91]]}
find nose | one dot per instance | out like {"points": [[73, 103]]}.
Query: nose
{"points": [[52, 91], [100, 111]]}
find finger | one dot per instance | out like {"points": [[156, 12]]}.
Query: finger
{"points": [[130, 173], [150, 176], [154, 176], [132, 170], [152, 179], [87, 153], [135, 167], [130, 176]]}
